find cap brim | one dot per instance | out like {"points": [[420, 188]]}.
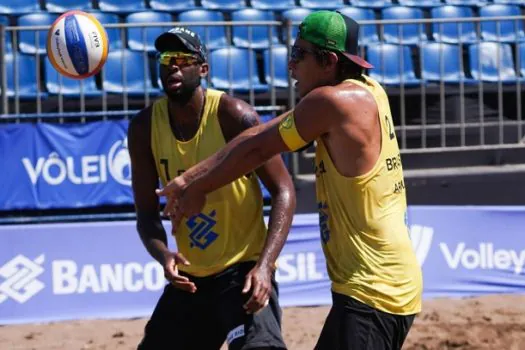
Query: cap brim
{"points": [[358, 60]]}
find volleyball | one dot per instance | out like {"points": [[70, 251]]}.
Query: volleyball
{"points": [[77, 45]]}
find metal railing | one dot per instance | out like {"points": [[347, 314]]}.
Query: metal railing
{"points": [[485, 113]]}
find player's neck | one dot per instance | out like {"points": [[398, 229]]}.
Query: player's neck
{"points": [[186, 112]]}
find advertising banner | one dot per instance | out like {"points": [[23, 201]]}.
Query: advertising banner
{"points": [[64, 165], [46, 166], [51, 272]]}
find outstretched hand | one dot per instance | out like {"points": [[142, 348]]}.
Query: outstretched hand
{"points": [[181, 201]]}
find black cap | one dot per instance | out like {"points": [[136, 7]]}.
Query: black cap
{"points": [[175, 37]]}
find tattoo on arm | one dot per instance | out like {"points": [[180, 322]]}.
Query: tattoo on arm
{"points": [[249, 119]]}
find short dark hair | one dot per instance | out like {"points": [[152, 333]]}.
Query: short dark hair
{"points": [[346, 69]]}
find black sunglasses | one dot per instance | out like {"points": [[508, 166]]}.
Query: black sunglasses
{"points": [[298, 53]]}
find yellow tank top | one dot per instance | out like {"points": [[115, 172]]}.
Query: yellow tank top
{"points": [[363, 228], [231, 227]]}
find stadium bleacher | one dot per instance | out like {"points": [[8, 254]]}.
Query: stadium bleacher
{"points": [[213, 36], [143, 38], [412, 58], [450, 32], [30, 41], [259, 37], [441, 62]]}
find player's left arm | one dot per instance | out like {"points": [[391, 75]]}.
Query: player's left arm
{"points": [[273, 174], [237, 116]]}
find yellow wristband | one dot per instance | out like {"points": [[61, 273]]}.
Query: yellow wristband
{"points": [[289, 133]]}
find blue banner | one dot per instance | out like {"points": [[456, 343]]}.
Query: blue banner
{"points": [[467, 251], [48, 166], [51, 272], [64, 165]]}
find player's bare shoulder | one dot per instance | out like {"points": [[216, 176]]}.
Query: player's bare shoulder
{"points": [[235, 116], [140, 126], [141, 119], [354, 96]]}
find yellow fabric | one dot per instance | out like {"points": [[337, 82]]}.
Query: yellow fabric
{"points": [[289, 133], [230, 228], [363, 225]]}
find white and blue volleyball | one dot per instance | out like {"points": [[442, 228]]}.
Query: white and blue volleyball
{"points": [[77, 45]]}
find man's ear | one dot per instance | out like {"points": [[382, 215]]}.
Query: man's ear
{"points": [[204, 70], [332, 59]]}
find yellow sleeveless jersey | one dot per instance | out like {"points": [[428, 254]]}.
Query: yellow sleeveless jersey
{"points": [[231, 227], [365, 239]]}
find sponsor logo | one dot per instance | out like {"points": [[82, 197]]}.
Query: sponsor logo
{"points": [[483, 256], [85, 170], [299, 267], [20, 281], [235, 333], [71, 278], [119, 162], [421, 237], [18, 278], [323, 221], [201, 226]]}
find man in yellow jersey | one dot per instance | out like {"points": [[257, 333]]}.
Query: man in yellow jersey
{"points": [[222, 277], [376, 280]]}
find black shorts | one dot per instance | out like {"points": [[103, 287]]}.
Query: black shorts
{"points": [[352, 325], [212, 315]]}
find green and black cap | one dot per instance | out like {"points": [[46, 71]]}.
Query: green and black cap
{"points": [[333, 31]]}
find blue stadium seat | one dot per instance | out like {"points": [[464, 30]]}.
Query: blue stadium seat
{"points": [[278, 56], [322, 4], [137, 74], [29, 39], [223, 4], [509, 31], [420, 3], [235, 68], [4, 20], [122, 6], [57, 84], [371, 3], [294, 15], [25, 66], [403, 33], [450, 32], [442, 62], [392, 64], [114, 34], [367, 33], [521, 48], [467, 2], [273, 4], [19, 6], [213, 36], [59, 6], [487, 64], [509, 2], [143, 38], [255, 37], [171, 5]]}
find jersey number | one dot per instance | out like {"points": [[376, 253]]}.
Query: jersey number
{"points": [[164, 163], [391, 133]]}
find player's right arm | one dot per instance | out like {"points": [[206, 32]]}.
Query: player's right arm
{"points": [[144, 181]]}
